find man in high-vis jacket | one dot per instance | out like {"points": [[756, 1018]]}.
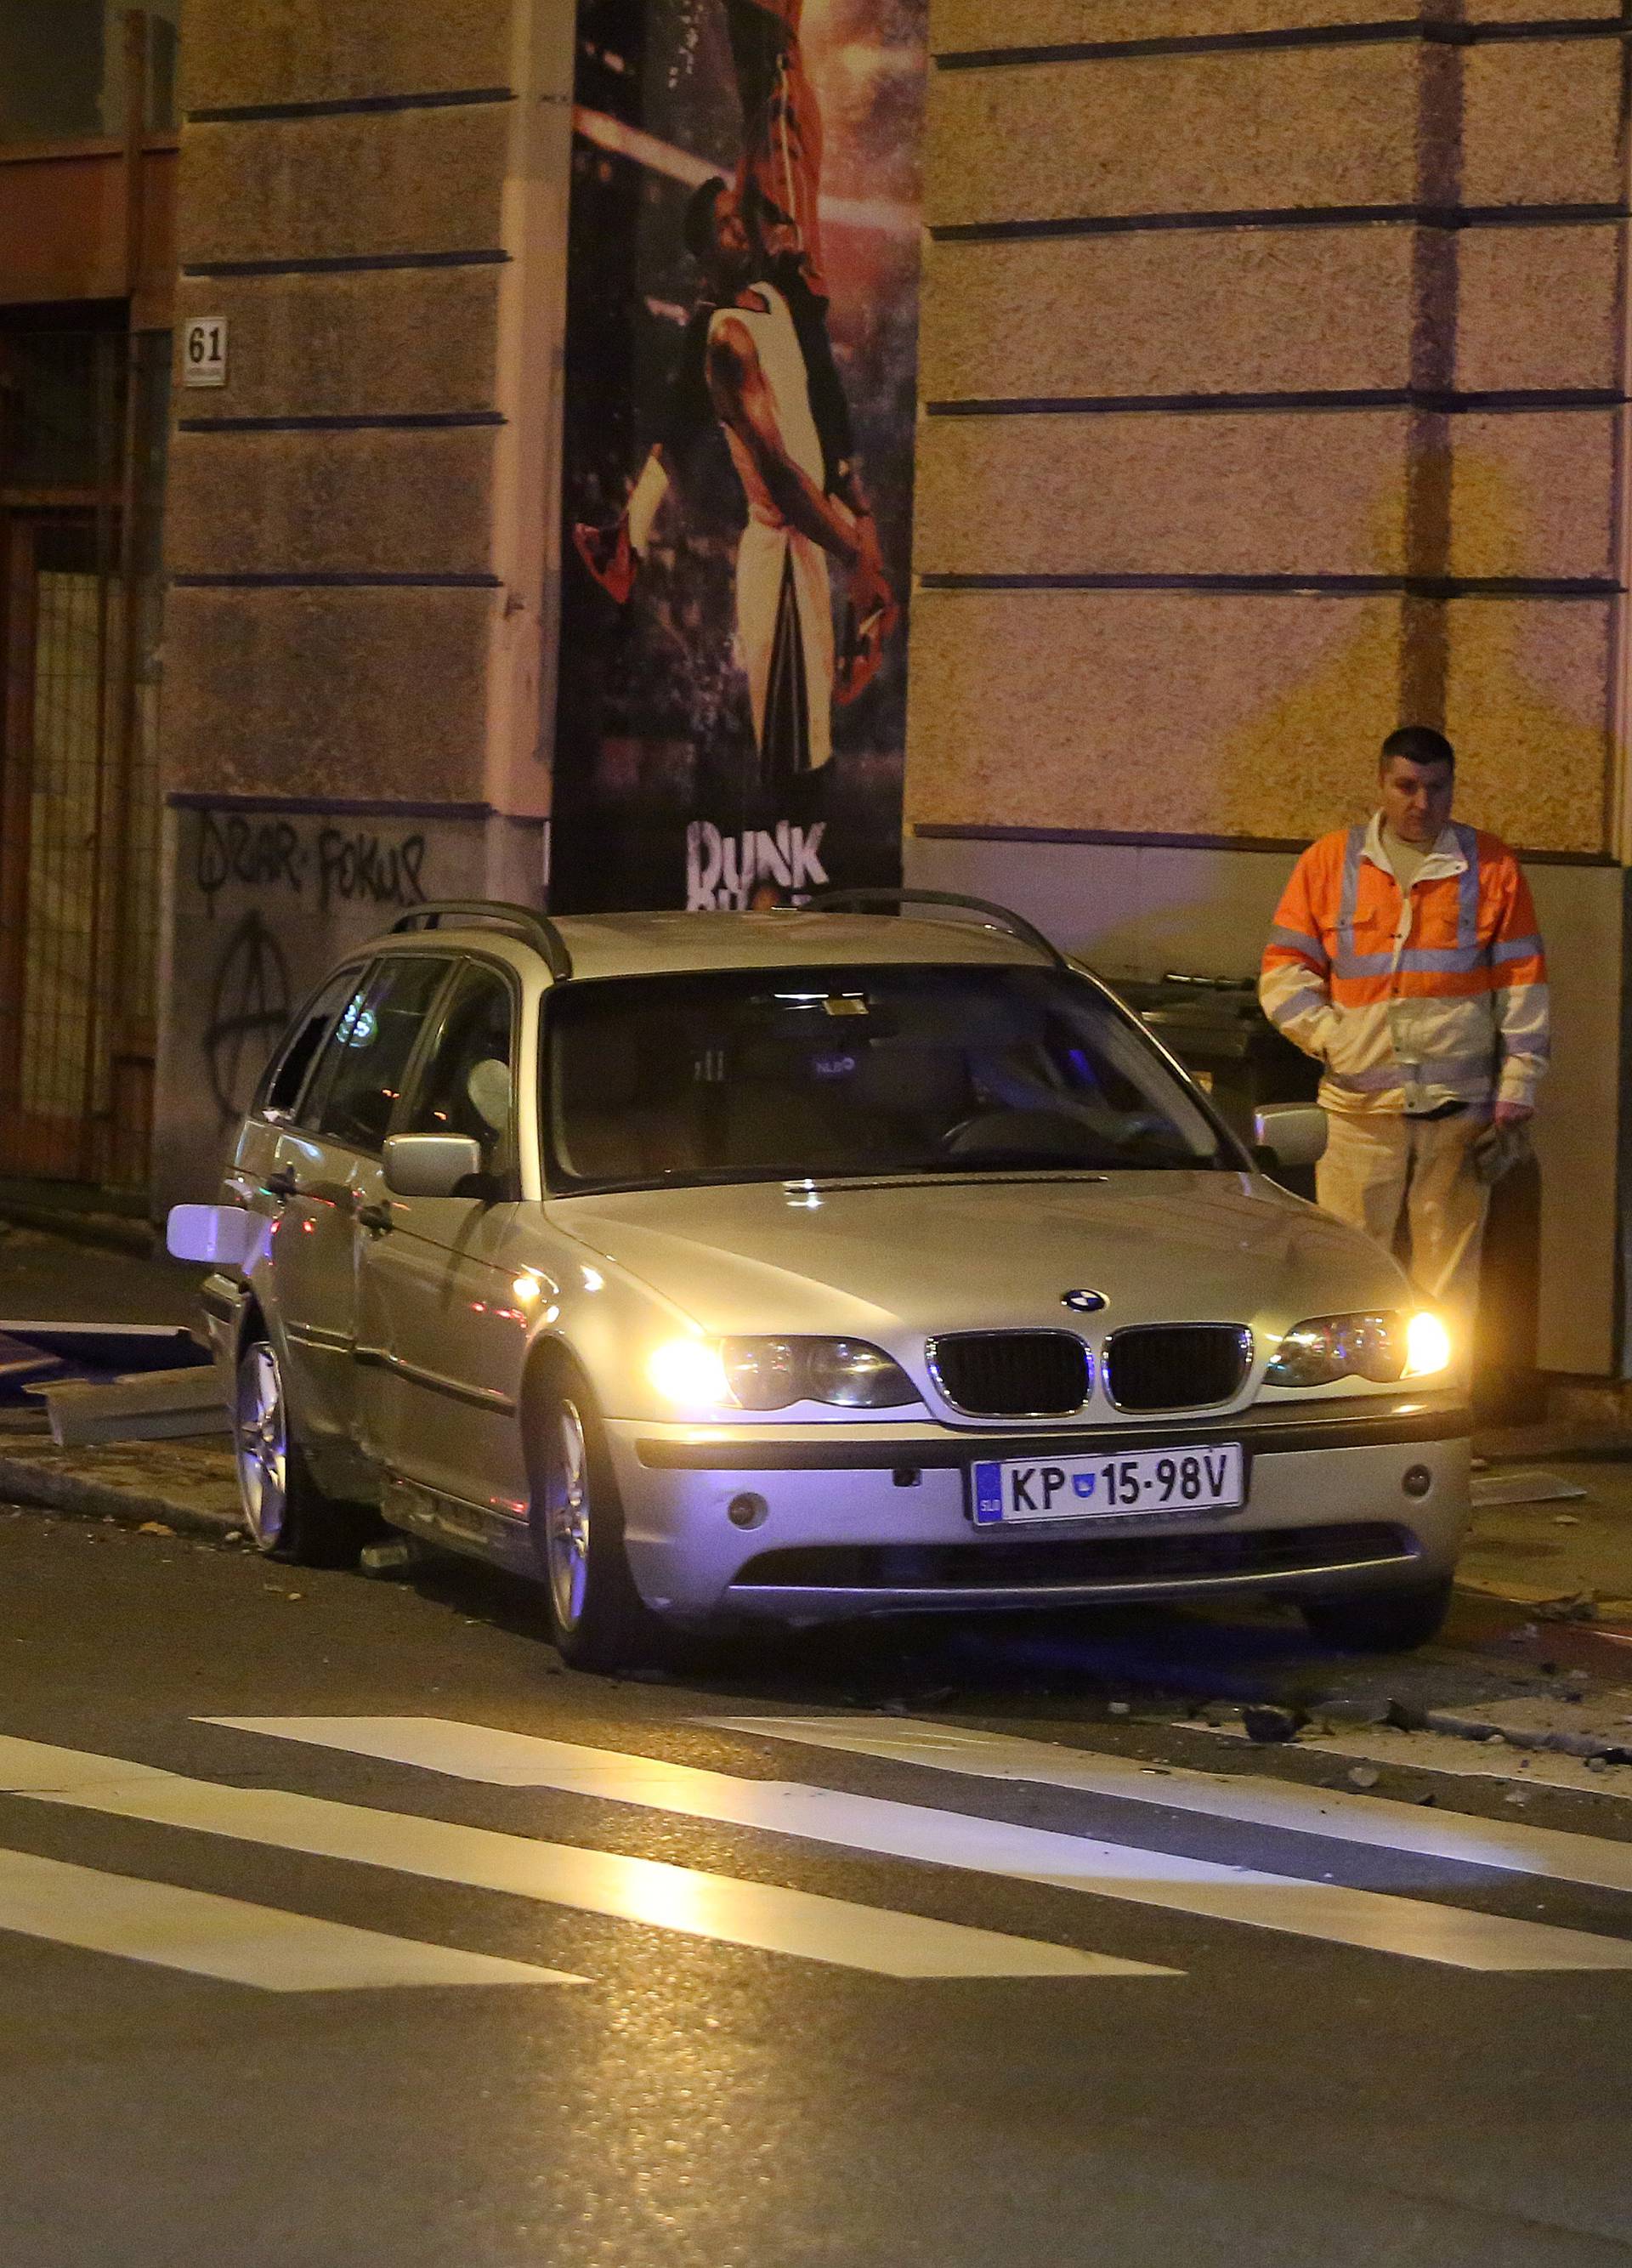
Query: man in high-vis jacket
{"points": [[1406, 958]]}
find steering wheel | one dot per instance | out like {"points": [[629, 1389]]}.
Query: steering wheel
{"points": [[1053, 1133]]}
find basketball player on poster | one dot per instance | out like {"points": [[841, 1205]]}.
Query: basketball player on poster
{"points": [[757, 355]]}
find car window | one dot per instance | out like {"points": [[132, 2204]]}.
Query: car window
{"points": [[466, 1084], [770, 1074], [354, 1089], [280, 1088]]}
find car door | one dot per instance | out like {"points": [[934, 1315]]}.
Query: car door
{"points": [[326, 1175], [445, 1326]]}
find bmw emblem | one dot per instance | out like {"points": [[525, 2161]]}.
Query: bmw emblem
{"points": [[1082, 1303]]}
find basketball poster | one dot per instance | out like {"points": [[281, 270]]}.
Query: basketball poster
{"points": [[739, 409]]}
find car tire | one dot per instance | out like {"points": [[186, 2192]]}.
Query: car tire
{"points": [[287, 1516], [598, 1619], [1381, 1622]]}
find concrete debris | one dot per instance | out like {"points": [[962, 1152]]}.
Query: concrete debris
{"points": [[1578, 1607], [155, 1528], [159, 1405], [1268, 1724], [1529, 1487], [392, 1558]]}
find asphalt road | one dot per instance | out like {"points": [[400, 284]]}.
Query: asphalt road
{"points": [[254, 2011]]}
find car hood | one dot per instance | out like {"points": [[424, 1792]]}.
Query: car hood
{"points": [[949, 1255]]}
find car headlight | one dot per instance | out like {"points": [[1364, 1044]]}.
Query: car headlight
{"points": [[1384, 1347], [690, 1373], [765, 1373], [1428, 1346]]}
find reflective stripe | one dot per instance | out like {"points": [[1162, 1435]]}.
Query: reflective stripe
{"points": [[1518, 949], [1298, 940], [1442, 959], [1373, 1081], [1362, 964], [1353, 851], [1468, 889]]}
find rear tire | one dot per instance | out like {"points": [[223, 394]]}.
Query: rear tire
{"points": [[1381, 1622], [597, 1617], [287, 1516]]}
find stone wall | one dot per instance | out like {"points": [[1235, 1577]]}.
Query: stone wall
{"points": [[359, 629], [1268, 378]]}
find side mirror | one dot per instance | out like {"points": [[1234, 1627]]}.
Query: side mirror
{"points": [[431, 1165], [223, 1234], [1294, 1133]]}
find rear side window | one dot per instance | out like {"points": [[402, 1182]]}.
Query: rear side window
{"points": [[466, 1085], [281, 1088], [360, 1075]]}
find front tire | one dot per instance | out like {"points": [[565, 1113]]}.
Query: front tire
{"points": [[287, 1516], [598, 1619], [1381, 1622]]}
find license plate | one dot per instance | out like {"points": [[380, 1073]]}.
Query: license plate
{"points": [[1207, 1478]]}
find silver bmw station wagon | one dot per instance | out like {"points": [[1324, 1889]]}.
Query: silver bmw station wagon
{"points": [[807, 1265]]}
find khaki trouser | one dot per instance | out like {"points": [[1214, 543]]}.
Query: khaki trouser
{"points": [[1377, 1163]]}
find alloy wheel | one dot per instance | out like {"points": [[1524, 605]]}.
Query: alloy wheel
{"points": [[261, 1443], [567, 1519]]}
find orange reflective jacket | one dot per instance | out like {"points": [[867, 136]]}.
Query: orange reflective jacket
{"points": [[1410, 1001]]}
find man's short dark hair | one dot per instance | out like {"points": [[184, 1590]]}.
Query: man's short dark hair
{"points": [[1419, 744], [697, 230]]}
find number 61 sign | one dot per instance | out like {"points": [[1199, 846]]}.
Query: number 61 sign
{"points": [[204, 351]]}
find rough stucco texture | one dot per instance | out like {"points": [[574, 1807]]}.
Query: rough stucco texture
{"points": [[327, 50], [1526, 707], [1541, 123], [958, 25], [328, 694], [400, 341], [1533, 493], [1200, 133], [1320, 493], [1163, 312], [1165, 712], [1536, 307], [351, 502], [424, 180], [1194, 714]]}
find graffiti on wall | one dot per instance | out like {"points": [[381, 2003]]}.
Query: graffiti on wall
{"points": [[740, 422], [267, 901]]}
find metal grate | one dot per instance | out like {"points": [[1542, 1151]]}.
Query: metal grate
{"points": [[1177, 1366], [1112, 1559], [1012, 1373]]}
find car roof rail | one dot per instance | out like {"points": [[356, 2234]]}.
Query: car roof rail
{"points": [[994, 916], [522, 922]]}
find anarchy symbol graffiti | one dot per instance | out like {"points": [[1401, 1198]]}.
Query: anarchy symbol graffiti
{"points": [[249, 1007]]}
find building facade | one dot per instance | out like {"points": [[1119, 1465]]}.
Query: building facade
{"points": [[1271, 392]]}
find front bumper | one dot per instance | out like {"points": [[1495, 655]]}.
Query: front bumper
{"points": [[872, 1519]]}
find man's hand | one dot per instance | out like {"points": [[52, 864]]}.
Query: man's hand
{"points": [[1513, 1114]]}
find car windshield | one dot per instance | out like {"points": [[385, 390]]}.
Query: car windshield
{"points": [[765, 1075]]}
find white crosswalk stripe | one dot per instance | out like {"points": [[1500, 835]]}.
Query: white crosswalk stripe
{"points": [[680, 1898], [1420, 1928], [242, 1944], [1250, 1798]]}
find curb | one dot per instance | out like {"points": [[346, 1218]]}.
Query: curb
{"points": [[41, 1489], [102, 1231]]}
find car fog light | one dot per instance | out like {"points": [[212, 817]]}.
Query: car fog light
{"points": [[1428, 1346], [747, 1510], [689, 1373], [1418, 1480]]}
